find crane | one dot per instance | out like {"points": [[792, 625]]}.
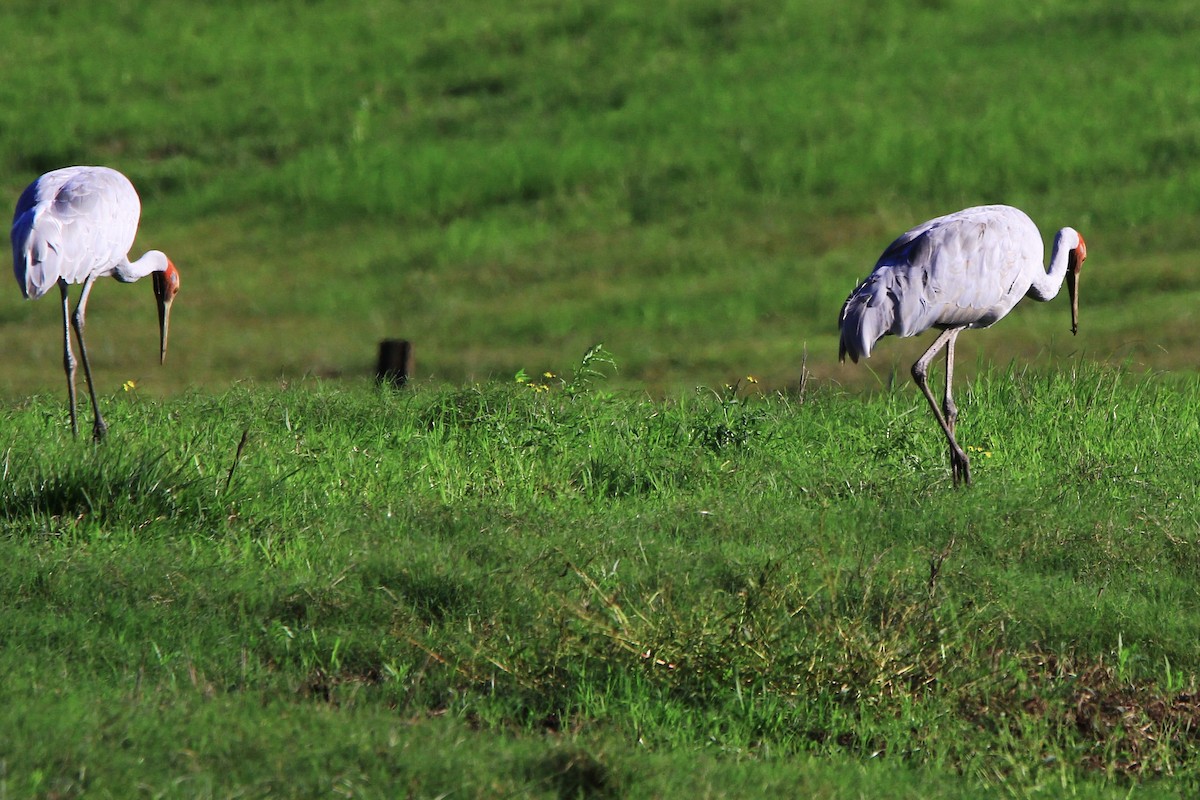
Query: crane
{"points": [[963, 270], [76, 224]]}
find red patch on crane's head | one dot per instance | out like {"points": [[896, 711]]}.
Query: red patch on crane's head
{"points": [[170, 281], [1080, 252]]}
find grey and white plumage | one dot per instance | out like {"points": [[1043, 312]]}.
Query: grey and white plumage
{"points": [[74, 225], [963, 270]]}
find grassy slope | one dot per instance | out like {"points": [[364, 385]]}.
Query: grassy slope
{"points": [[506, 185], [502, 590]]}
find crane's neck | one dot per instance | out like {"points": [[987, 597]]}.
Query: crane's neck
{"points": [[129, 271], [1046, 285]]}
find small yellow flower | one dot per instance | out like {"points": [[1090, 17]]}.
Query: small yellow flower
{"points": [[550, 375], [130, 386], [751, 379]]}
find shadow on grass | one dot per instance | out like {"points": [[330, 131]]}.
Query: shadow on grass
{"points": [[109, 485]]}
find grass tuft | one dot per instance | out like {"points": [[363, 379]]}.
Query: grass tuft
{"points": [[106, 487]]}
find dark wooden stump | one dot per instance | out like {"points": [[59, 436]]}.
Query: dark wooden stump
{"points": [[395, 362]]}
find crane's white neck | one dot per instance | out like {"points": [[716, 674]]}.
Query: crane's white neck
{"points": [[152, 261], [1046, 287]]}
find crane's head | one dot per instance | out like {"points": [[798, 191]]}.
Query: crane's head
{"points": [[166, 286], [1075, 258]]}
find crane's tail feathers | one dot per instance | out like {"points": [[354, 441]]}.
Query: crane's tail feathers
{"points": [[35, 258], [866, 317]]}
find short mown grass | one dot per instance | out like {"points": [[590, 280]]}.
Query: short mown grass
{"points": [[505, 184]]}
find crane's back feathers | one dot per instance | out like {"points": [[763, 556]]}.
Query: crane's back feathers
{"points": [[72, 223]]}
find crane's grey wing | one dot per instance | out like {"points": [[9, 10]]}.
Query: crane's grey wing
{"points": [[968, 268], [72, 223]]}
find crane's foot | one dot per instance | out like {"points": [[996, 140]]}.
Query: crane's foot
{"points": [[99, 430], [960, 467]]}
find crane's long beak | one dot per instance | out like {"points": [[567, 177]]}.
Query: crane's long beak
{"points": [[164, 299], [1072, 279]]}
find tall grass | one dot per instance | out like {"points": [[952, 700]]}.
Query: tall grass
{"points": [[590, 592]]}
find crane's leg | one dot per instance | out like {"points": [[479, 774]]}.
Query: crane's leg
{"points": [[920, 371], [100, 428], [68, 356], [961, 470]]}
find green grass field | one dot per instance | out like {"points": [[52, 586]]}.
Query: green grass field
{"points": [[276, 580]]}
